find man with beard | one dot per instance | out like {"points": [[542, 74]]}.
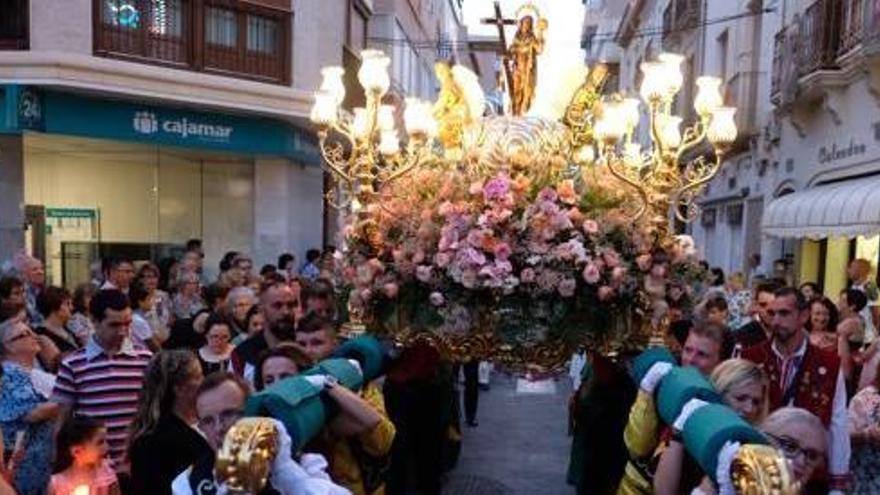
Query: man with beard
{"points": [[803, 375], [278, 304]]}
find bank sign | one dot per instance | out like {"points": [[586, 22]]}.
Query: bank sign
{"points": [[92, 117]]}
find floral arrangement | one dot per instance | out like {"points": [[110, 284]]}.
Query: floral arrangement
{"points": [[527, 257]]}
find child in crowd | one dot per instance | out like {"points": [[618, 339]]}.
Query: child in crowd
{"points": [[82, 466]]}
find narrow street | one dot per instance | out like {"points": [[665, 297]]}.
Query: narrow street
{"points": [[520, 446]]}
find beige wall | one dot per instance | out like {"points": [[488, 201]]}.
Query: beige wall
{"points": [[62, 25]]}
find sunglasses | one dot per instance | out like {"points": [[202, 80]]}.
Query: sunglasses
{"points": [[791, 449]]}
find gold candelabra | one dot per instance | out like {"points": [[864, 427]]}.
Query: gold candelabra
{"points": [[362, 149], [672, 170]]}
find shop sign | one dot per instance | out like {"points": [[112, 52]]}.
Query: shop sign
{"points": [[146, 122], [65, 113], [835, 153], [70, 213]]}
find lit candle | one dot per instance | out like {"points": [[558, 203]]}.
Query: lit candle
{"points": [[652, 88], [708, 95], [81, 490], [672, 76], [333, 84], [360, 124], [373, 74], [722, 128]]}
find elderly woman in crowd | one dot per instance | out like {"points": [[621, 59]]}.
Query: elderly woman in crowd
{"points": [[26, 415], [188, 300], [163, 441], [801, 438], [239, 302], [743, 386]]}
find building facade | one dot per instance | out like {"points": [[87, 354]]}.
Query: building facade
{"points": [[130, 126]]}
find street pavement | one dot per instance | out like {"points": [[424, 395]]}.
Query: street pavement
{"points": [[520, 446]]}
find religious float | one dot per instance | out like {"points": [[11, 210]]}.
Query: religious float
{"points": [[519, 237]]}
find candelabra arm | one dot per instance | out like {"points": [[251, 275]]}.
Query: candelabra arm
{"points": [[414, 159], [697, 174], [332, 153], [693, 136], [659, 149], [611, 162]]}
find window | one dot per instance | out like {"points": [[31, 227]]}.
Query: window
{"points": [[220, 27], [14, 25], [230, 37]]}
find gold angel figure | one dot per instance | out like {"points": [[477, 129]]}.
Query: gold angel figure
{"points": [[527, 44], [459, 104]]}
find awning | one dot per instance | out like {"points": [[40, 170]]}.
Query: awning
{"points": [[843, 209]]}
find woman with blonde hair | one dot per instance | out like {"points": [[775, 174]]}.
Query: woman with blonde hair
{"points": [[163, 441], [742, 386]]}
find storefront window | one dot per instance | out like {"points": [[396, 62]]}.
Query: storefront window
{"points": [[114, 192]]}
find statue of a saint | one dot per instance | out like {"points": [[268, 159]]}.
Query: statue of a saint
{"points": [[527, 44]]}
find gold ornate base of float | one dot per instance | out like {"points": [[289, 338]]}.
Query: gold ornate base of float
{"points": [[244, 460], [761, 470]]}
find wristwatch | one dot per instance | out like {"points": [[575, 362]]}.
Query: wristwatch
{"points": [[330, 381]]}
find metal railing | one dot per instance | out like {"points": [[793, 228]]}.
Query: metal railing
{"points": [[228, 37]]}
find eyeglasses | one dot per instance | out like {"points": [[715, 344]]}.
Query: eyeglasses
{"points": [[791, 449], [224, 419], [26, 333]]}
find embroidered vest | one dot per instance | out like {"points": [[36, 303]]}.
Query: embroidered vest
{"points": [[816, 384]]}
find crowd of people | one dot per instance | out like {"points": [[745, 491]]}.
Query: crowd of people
{"points": [[129, 383], [800, 367]]}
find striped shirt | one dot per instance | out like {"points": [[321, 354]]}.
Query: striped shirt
{"points": [[104, 387]]}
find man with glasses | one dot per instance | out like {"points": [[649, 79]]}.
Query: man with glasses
{"points": [[220, 402], [103, 379], [803, 375], [279, 306]]}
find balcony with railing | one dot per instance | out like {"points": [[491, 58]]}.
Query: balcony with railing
{"points": [[679, 17], [228, 37], [14, 25], [810, 45]]}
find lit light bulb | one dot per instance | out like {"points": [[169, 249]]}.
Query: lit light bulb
{"points": [[325, 111], [722, 128], [630, 113], [672, 76], [333, 84], [652, 88], [360, 124], [385, 118], [373, 74], [632, 155], [388, 143], [708, 95], [585, 155], [670, 132]]}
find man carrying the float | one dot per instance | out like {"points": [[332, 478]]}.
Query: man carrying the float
{"points": [[805, 376], [645, 439]]}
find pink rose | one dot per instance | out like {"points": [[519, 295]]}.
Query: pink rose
{"points": [[442, 259], [423, 273], [502, 251], [391, 290], [575, 215], [612, 259], [376, 265], [659, 271], [567, 286], [644, 262], [591, 273], [618, 274], [605, 293], [590, 227], [436, 299], [397, 254], [527, 276], [476, 188], [418, 257], [469, 279], [366, 295]]}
